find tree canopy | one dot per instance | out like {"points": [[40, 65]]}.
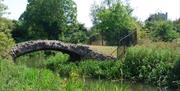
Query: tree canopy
{"points": [[114, 20], [163, 30], [160, 28], [6, 26], [177, 24], [48, 19]]}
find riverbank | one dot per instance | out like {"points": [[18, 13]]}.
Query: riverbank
{"points": [[156, 66], [21, 78]]}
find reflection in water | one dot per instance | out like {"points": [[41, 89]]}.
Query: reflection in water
{"points": [[127, 86]]}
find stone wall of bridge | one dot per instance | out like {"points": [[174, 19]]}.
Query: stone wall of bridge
{"points": [[75, 51]]}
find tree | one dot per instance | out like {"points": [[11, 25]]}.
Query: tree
{"points": [[19, 32], [114, 21], [163, 30], [79, 35], [95, 9], [160, 28], [149, 23], [48, 19], [177, 25], [6, 26], [157, 16]]}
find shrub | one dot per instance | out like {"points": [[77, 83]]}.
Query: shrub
{"points": [[6, 26], [53, 61], [90, 68], [57, 58], [104, 69], [148, 64], [65, 69], [6, 43], [176, 73], [177, 67]]}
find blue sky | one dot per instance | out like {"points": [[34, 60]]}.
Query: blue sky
{"points": [[142, 9]]}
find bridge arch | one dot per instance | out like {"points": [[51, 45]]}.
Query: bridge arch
{"points": [[75, 51]]}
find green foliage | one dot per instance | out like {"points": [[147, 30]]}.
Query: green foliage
{"points": [[149, 65], [6, 41], [42, 21], [57, 58], [48, 19], [6, 26], [105, 69], [54, 63], [163, 30], [65, 69], [177, 66], [5, 44], [176, 73], [21, 78], [114, 22], [154, 65], [160, 28], [177, 25], [79, 35], [20, 33], [90, 68]]}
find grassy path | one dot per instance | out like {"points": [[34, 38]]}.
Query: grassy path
{"points": [[107, 50]]}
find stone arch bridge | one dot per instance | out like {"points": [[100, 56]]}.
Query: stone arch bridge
{"points": [[75, 51]]}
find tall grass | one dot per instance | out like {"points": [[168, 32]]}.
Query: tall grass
{"points": [[101, 69], [149, 65], [21, 78], [18, 77]]}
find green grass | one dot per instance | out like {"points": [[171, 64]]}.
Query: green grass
{"points": [[107, 50], [110, 50], [20, 78]]}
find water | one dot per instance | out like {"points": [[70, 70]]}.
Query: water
{"points": [[107, 85]]}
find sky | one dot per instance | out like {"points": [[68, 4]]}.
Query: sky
{"points": [[142, 9]]}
